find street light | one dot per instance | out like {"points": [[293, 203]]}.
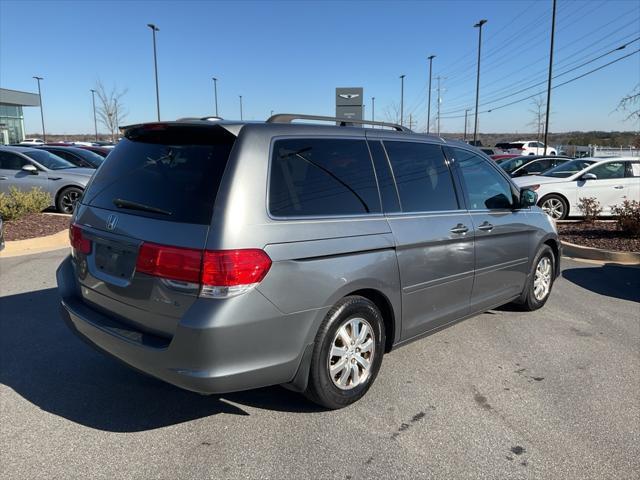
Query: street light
{"points": [[44, 137], [215, 93], [475, 123], [95, 122], [240, 106], [430, 57], [373, 109], [155, 29], [402, 99]]}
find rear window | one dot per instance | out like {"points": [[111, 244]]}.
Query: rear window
{"points": [[166, 172], [322, 177]]}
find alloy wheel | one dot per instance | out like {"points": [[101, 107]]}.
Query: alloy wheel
{"points": [[542, 279], [351, 354]]}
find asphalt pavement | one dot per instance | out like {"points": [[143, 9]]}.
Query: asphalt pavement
{"points": [[553, 394]]}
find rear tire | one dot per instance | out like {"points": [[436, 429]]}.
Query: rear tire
{"points": [[555, 206], [540, 283], [347, 353], [67, 199]]}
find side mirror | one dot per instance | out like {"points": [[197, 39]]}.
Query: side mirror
{"points": [[528, 198], [589, 176], [30, 169]]}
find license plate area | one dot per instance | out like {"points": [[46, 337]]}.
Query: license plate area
{"points": [[113, 262]]}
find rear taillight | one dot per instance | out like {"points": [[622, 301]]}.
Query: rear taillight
{"points": [[226, 273], [173, 263], [220, 273], [78, 241]]}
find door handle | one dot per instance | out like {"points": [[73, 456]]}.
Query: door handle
{"points": [[619, 187], [3, 178], [486, 227], [460, 228]]}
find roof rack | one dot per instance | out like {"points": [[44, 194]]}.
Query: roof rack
{"points": [[289, 117]]}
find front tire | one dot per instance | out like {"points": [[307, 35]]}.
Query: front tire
{"points": [[555, 206], [347, 353], [67, 199], [541, 277]]}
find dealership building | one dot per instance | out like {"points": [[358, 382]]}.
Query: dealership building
{"points": [[11, 117]]}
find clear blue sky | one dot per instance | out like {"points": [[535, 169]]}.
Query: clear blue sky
{"points": [[290, 56]]}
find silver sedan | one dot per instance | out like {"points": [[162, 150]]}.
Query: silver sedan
{"points": [[25, 168]]}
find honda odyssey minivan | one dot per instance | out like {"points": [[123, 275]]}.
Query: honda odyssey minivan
{"points": [[224, 256]]}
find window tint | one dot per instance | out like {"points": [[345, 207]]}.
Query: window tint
{"points": [[538, 166], [423, 177], [11, 161], [608, 170], [176, 170], [633, 169], [485, 187], [315, 177], [49, 160]]}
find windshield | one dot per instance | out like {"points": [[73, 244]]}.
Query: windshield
{"points": [[49, 160], [511, 164], [568, 168]]}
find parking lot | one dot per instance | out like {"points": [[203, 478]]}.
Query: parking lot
{"points": [[551, 394]]}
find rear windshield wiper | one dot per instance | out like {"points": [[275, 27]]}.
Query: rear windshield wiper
{"points": [[120, 203]]}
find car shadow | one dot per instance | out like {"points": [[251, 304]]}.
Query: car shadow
{"points": [[611, 279], [41, 360]]}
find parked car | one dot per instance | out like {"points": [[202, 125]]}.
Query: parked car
{"points": [[530, 147], [490, 151], [26, 168], [32, 141], [223, 256], [102, 151], [76, 155], [608, 180], [530, 164]]}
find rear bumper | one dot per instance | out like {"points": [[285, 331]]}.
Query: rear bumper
{"points": [[214, 348]]}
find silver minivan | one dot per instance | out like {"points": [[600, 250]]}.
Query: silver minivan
{"points": [[221, 256]]}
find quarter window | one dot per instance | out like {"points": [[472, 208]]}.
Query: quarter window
{"points": [[485, 187], [316, 177], [422, 176], [633, 169]]}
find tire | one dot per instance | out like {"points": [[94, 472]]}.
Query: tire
{"points": [[338, 388], [555, 206], [538, 287], [67, 198]]}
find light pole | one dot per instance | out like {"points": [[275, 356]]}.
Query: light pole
{"points": [[155, 29], [464, 138], [240, 106], [44, 136], [546, 120], [95, 122], [475, 123], [402, 99], [215, 93], [373, 109], [431, 57]]}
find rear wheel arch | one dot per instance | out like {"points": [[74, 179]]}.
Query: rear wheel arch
{"points": [[63, 189], [383, 304]]}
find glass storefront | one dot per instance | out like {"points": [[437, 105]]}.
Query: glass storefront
{"points": [[11, 124]]}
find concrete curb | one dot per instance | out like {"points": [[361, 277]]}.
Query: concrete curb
{"points": [[597, 254], [30, 246]]}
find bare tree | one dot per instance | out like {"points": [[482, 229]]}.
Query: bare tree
{"points": [[110, 109], [539, 115], [392, 113], [631, 104]]}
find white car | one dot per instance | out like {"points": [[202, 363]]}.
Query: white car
{"points": [[32, 141], [608, 180], [530, 147]]}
